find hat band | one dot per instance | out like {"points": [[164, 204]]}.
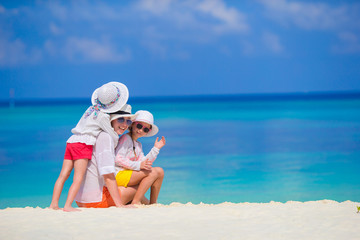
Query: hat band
{"points": [[96, 107], [121, 113]]}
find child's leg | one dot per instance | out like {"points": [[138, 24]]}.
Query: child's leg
{"points": [[137, 176], [145, 184], [127, 194], [155, 188], [80, 166], [59, 184]]}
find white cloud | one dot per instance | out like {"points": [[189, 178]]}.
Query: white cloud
{"points": [[14, 52], [11, 52], [272, 42], [9, 12], [155, 6], [156, 48], [232, 19], [185, 21], [350, 43], [54, 29], [57, 10], [342, 20], [2, 9], [182, 55], [73, 29], [88, 50], [212, 16], [79, 11], [311, 15], [51, 48]]}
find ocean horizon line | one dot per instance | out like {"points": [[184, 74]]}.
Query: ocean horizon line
{"points": [[320, 95]]}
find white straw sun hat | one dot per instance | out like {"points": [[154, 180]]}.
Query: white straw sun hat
{"points": [[110, 97], [147, 117], [124, 112]]}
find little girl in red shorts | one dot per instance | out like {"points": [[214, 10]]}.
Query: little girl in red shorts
{"points": [[107, 99]]}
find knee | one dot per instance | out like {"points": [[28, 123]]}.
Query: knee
{"points": [[146, 172], [78, 179], [159, 172], [64, 175]]}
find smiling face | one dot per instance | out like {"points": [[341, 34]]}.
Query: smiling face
{"points": [[120, 126], [136, 131]]}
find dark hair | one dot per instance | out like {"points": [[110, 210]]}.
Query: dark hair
{"points": [[121, 112], [130, 128]]}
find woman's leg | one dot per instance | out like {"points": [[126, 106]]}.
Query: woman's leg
{"points": [[80, 166], [155, 188], [59, 184]]}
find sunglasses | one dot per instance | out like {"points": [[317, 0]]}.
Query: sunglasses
{"points": [[122, 120], [145, 129]]}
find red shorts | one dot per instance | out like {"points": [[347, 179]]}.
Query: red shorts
{"points": [[75, 151], [106, 201]]}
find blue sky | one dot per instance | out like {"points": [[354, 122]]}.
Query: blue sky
{"points": [[66, 49]]}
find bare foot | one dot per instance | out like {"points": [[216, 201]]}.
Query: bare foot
{"points": [[145, 201], [135, 203], [126, 206], [130, 206], [54, 207], [71, 209]]}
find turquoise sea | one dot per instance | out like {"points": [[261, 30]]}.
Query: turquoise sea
{"points": [[253, 148]]}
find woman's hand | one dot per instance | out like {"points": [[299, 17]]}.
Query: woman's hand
{"points": [[146, 165], [161, 143]]}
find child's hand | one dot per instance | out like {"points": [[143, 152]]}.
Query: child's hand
{"points": [[146, 165], [161, 143]]}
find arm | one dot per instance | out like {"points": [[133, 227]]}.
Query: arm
{"points": [[152, 155], [105, 158], [111, 185]]}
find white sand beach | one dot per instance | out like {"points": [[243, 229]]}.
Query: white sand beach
{"points": [[323, 219]]}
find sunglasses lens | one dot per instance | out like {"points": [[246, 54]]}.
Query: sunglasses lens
{"points": [[145, 129], [120, 120], [128, 122]]}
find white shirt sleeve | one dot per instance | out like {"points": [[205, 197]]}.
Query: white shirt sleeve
{"points": [[151, 156], [104, 153], [125, 157]]}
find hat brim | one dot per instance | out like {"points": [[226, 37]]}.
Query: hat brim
{"points": [[116, 116], [124, 96], [154, 131]]}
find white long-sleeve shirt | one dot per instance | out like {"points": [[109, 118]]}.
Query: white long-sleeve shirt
{"points": [[88, 128], [125, 156]]}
